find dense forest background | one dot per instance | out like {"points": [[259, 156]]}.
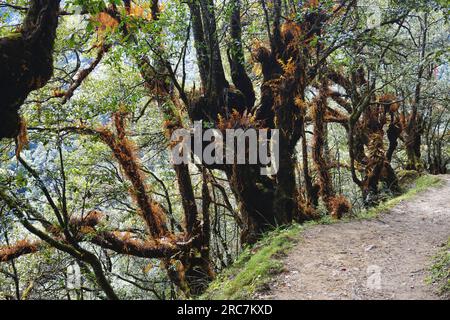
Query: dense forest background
{"points": [[91, 91]]}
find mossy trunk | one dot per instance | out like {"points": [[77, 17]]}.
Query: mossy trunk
{"points": [[324, 177], [412, 145], [26, 62]]}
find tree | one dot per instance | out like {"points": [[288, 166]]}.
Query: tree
{"points": [[26, 61]]}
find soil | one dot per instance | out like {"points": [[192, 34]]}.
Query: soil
{"points": [[385, 258]]}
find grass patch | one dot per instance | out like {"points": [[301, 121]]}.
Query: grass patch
{"points": [[440, 271], [255, 266], [407, 177], [420, 184]]}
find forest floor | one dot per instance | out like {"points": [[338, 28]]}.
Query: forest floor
{"points": [[384, 258]]}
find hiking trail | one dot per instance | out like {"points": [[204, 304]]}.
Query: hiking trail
{"points": [[384, 258]]}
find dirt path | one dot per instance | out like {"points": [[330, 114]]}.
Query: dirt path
{"points": [[386, 258]]}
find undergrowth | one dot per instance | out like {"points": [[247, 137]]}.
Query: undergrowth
{"points": [[440, 271], [254, 267]]}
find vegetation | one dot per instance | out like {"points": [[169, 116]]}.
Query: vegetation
{"points": [[92, 93], [440, 271], [254, 267]]}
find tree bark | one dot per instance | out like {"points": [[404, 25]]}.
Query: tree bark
{"points": [[236, 57], [26, 62]]}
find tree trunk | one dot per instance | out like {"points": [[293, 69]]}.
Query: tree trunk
{"points": [[26, 62], [413, 130], [236, 57]]}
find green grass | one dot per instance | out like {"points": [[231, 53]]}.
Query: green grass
{"points": [[406, 177], [256, 265], [440, 271]]}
